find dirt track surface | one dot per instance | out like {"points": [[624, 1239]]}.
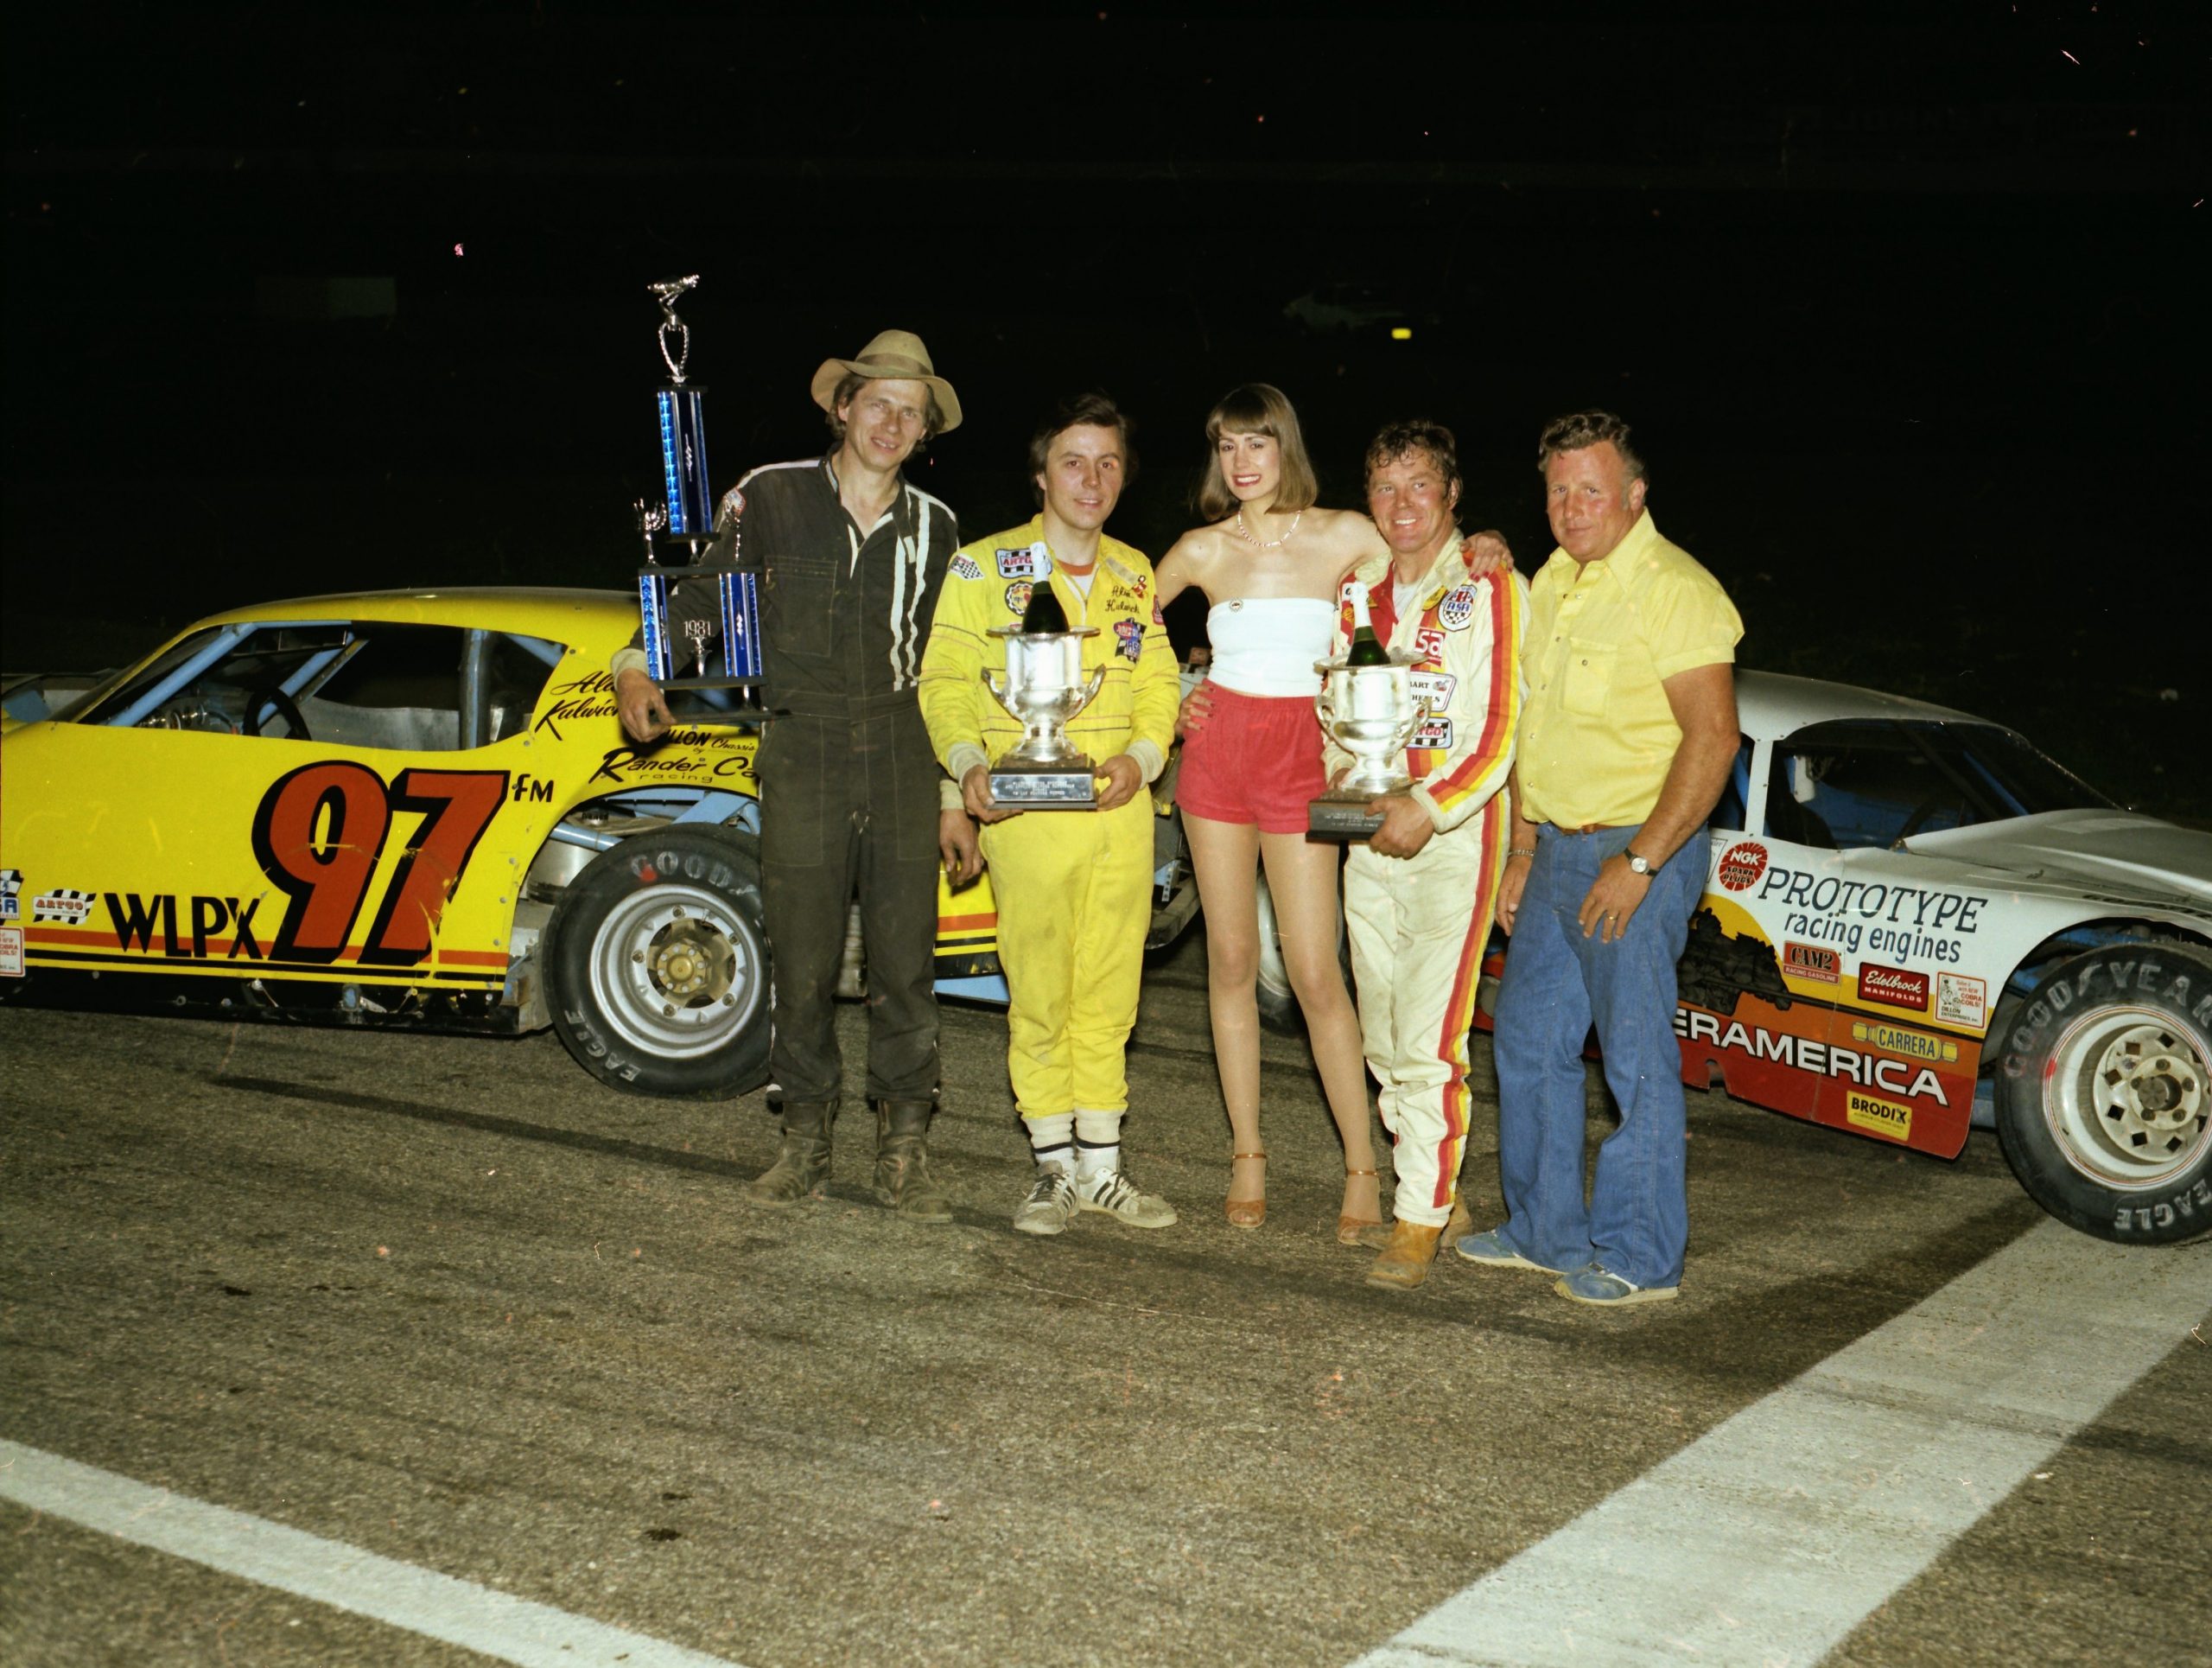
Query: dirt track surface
{"points": [[449, 1301]]}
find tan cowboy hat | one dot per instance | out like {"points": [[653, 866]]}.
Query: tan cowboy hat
{"points": [[893, 353]]}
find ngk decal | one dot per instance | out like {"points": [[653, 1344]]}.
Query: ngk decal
{"points": [[1893, 987], [1895, 1077], [1741, 864]]}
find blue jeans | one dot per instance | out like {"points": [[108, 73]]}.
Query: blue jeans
{"points": [[1556, 983]]}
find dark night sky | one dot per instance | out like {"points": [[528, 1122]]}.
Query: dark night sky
{"points": [[1904, 300]]}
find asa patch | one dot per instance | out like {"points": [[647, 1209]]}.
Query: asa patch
{"points": [[1456, 611], [11, 885], [1017, 595], [1128, 636], [65, 904], [1018, 564], [963, 567]]}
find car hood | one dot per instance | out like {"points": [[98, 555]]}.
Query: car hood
{"points": [[2100, 851]]}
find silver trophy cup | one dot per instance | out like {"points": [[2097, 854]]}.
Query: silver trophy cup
{"points": [[1371, 712], [1044, 687]]}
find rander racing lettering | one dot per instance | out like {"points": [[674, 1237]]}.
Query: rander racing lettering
{"points": [[1895, 1077]]}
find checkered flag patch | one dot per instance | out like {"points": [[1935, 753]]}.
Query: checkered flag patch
{"points": [[64, 903]]}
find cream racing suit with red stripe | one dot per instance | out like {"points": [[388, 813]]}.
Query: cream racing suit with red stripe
{"points": [[1417, 925]]}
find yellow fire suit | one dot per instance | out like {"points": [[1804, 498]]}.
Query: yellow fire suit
{"points": [[1073, 887], [1417, 925]]}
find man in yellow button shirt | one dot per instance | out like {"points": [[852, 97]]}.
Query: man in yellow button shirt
{"points": [[1074, 887], [1625, 742]]}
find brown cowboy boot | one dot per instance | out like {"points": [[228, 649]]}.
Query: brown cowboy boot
{"points": [[803, 1162], [1404, 1264], [902, 1161]]}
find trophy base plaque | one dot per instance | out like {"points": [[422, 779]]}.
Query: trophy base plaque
{"points": [[1045, 787], [1341, 819]]}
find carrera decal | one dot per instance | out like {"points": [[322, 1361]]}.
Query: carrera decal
{"points": [[1017, 564], [65, 904], [319, 832], [1456, 611], [1810, 961], [963, 567], [1433, 690], [1962, 1001], [12, 953], [1893, 987], [1017, 595], [1428, 643], [1899, 1041], [1881, 1117], [1741, 864]]}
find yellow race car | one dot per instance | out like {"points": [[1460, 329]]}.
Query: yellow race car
{"points": [[405, 808]]}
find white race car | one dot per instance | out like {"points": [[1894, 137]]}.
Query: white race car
{"points": [[1913, 915]]}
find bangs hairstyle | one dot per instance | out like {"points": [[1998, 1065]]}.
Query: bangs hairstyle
{"points": [[1092, 411], [1258, 408]]}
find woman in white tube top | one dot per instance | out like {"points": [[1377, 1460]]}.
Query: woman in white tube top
{"points": [[1273, 566]]}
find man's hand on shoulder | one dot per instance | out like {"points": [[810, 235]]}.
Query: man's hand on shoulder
{"points": [[638, 699], [1486, 553]]}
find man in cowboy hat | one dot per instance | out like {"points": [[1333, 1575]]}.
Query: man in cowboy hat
{"points": [[853, 556]]}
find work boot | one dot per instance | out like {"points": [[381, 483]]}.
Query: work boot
{"points": [[1462, 1221], [802, 1161], [902, 1161], [1404, 1262]]}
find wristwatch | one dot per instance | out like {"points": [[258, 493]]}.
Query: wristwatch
{"points": [[1638, 865]]}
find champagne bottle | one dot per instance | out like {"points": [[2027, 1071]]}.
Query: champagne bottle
{"points": [[1366, 648], [1044, 612]]}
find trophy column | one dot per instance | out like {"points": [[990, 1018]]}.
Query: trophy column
{"points": [[684, 521]]}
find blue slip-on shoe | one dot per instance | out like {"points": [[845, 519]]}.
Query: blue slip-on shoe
{"points": [[1608, 1290], [1493, 1250]]}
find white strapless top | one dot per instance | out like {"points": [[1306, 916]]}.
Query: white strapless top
{"points": [[1268, 644]]}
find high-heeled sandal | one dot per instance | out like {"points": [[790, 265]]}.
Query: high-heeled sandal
{"points": [[1246, 1212], [1357, 1230]]}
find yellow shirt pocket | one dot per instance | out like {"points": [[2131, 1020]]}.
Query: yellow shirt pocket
{"points": [[1589, 681]]}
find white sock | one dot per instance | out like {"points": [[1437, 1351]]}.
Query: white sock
{"points": [[1052, 1141], [1098, 1143]]}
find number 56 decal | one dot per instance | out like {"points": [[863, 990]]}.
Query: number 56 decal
{"points": [[327, 876]]}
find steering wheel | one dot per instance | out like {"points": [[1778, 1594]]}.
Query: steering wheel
{"points": [[287, 708]]}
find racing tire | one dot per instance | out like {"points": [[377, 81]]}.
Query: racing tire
{"points": [[656, 966], [1278, 1002], [2104, 1093]]}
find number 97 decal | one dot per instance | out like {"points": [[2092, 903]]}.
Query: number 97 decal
{"points": [[320, 831]]}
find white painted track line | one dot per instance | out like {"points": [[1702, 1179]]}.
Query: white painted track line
{"points": [[1769, 1538], [499, 1625]]}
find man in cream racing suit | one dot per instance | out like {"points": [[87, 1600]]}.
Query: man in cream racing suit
{"points": [[1419, 893], [1073, 887]]}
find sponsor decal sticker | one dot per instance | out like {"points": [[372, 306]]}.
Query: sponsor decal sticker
{"points": [[1456, 611], [1962, 1001], [1017, 564], [1893, 1077], [1883, 1117], [1433, 733], [1810, 961], [11, 884], [963, 567], [1434, 689], [1428, 643], [65, 904], [1899, 1041], [1017, 595], [1893, 987], [1741, 864], [12, 953], [1129, 637], [1906, 923], [1158, 618]]}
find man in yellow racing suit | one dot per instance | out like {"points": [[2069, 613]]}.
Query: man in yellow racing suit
{"points": [[1419, 894], [1073, 887]]}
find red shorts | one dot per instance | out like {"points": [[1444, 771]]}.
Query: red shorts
{"points": [[1256, 759]]}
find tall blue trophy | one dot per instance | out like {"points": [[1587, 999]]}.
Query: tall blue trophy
{"points": [[680, 526]]}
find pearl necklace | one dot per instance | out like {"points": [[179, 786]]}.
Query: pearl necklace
{"points": [[1245, 532]]}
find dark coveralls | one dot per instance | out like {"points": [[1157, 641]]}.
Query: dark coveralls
{"points": [[849, 783]]}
